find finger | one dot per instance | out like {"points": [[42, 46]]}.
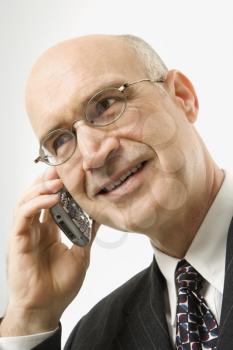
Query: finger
{"points": [[46, 217], [34, 219], [49, 174], [46, 187], [31, 210]]}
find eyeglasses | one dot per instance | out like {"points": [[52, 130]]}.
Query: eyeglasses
{"points": [[104, 108]]}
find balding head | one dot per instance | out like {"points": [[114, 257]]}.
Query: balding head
{"points": [[79, 66]]}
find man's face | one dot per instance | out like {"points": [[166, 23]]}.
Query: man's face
{"points": [[135, 173]]}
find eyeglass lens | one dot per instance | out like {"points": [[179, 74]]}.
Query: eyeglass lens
{"points": [[102, 109]]}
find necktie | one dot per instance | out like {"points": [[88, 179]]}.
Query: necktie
{"points": [[196, 327]]}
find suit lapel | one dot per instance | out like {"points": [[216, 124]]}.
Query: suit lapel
{"points": [[226, 321], [145, 317], [146, 320]]}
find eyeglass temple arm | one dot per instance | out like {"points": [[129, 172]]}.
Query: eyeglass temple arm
{"points": [[124, 86], [38, 159]]}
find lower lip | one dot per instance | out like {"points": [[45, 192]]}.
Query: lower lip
{"points": [[131, 184]]}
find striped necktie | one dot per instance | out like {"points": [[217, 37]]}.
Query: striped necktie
{"points": [[196, 327]]}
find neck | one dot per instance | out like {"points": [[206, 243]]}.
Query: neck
{"points": [[177, 230]]}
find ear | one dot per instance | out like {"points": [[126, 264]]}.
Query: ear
{"points": [[182, 91]]}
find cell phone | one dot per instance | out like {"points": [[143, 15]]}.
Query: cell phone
{"points": [[71, 219]]}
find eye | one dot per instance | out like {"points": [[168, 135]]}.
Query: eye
{"points": [[61, 140], [104, 104]]}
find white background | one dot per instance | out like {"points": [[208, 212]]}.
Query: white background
{"points": [[192, 36]]}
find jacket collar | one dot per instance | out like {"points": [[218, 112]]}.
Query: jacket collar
{"points": [[226, 321]]}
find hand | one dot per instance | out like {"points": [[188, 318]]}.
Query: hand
{"points": [[44, 275]]}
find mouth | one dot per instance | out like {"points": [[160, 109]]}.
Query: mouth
{"points": [[121, 182]]}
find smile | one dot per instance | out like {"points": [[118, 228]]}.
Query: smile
{"points": [[115, 184]]}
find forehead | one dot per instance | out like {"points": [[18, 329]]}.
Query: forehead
{"points": [[69, 74]]}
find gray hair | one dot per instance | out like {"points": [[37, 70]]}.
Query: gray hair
{"points": [[154, 66]]}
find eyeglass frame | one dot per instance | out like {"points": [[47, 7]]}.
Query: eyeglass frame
{"points": [[122, 89]]}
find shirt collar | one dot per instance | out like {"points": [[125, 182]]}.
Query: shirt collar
{"points": [[207, 252]]}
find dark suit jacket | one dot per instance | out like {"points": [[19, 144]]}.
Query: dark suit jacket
{"points": [[132, 317]]}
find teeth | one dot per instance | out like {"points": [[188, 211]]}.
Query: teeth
{"points": [[122, 178]]}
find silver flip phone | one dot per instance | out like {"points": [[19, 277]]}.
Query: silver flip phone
{"points": [[71, 219]]}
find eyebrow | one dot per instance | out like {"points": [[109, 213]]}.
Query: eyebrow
{"points": [[116, 83]]}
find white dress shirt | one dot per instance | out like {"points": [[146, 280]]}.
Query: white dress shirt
{"points": [[26, 342], [206, 254]]}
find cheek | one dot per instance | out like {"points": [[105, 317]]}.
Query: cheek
{"points": [[170, 193], [171, 159], [72, 175], [147, 123], [158, 128]]}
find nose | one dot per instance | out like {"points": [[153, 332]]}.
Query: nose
{"points": [[95, 145]]}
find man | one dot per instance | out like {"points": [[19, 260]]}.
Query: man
{"points": [[139, 165]]}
